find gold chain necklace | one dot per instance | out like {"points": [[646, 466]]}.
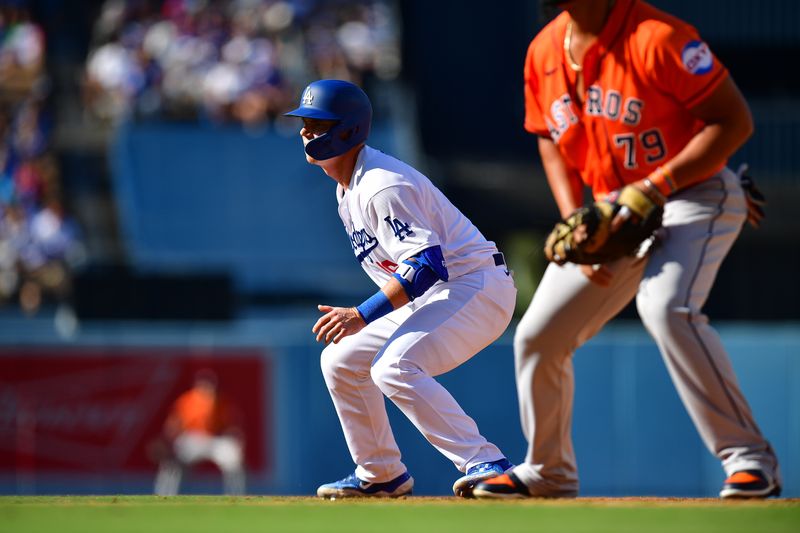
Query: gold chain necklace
{"points": [[567, 52]]}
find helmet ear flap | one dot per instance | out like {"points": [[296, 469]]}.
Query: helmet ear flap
{"points": [[347, 135], [327, 145], [337, 140], [322, 147]]}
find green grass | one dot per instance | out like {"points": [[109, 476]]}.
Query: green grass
{"points": [[200, 514]]}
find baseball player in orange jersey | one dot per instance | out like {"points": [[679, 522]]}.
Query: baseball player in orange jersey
{"points": [[621, 93], [202, 426]]}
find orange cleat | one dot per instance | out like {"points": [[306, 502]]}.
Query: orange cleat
{"points": [[749, 484], [506, 486]]}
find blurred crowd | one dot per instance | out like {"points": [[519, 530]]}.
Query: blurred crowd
{"points": [[38, 242], [222, 61], [240, 61]]}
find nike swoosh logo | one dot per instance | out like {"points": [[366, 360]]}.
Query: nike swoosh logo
{"points": [[551, 71]]}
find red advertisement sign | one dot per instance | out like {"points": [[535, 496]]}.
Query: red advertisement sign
{"points": [[102, 409]]}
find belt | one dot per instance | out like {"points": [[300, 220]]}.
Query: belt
{"points": [[500, 260]]}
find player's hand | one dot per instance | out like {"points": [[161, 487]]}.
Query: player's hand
{"points": [[635, 206], [598, 274], [337, 323]]}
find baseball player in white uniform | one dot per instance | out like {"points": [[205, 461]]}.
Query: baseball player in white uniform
{"points": [[445, 294]]}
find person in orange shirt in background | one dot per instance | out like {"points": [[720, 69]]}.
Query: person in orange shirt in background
{"points": [[202, 426], [620, 93]]}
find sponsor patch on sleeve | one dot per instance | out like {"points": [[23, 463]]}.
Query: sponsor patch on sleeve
{"points": [[697, 57]]}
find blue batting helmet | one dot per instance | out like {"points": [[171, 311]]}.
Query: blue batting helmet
{"points": [[343, 102]]}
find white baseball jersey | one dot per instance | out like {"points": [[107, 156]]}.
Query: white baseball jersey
{"points": [[392, 212]]}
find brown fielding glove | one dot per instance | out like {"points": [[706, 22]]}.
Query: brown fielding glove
{"points": [[585, 237]]}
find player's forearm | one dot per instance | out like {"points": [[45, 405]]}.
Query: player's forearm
{"points": [[707, 152], [562, 193], [396, 294], [391, 296], [728, 124], [412, 278], [558, 177]]}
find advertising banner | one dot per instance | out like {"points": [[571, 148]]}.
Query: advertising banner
{"points": [[102, 409]]}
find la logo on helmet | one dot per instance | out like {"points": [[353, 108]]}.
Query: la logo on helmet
{"points": [[308, 98]]}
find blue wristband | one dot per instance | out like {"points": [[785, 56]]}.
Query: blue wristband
{"points": [[375, 307]]}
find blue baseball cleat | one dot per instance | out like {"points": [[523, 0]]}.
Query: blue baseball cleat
{"points": [[352, 487], [464, 485]]}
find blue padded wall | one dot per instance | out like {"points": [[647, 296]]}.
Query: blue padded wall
{"points": [[632, 435]]}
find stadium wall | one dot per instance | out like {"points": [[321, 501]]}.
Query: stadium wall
{"points": [[94, 404], [197, 199]]}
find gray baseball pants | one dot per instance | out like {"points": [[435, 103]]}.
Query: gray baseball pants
{"points": [[671, 286]]}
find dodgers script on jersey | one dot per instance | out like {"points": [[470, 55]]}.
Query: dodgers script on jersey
{"points": [[631, 119], [392, 212]]}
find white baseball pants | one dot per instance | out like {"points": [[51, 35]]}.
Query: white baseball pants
{"points": [[400, 354], [192, 447]]}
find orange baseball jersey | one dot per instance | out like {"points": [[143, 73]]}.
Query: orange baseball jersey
{"points": [[199, 410], [641, 76]]}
